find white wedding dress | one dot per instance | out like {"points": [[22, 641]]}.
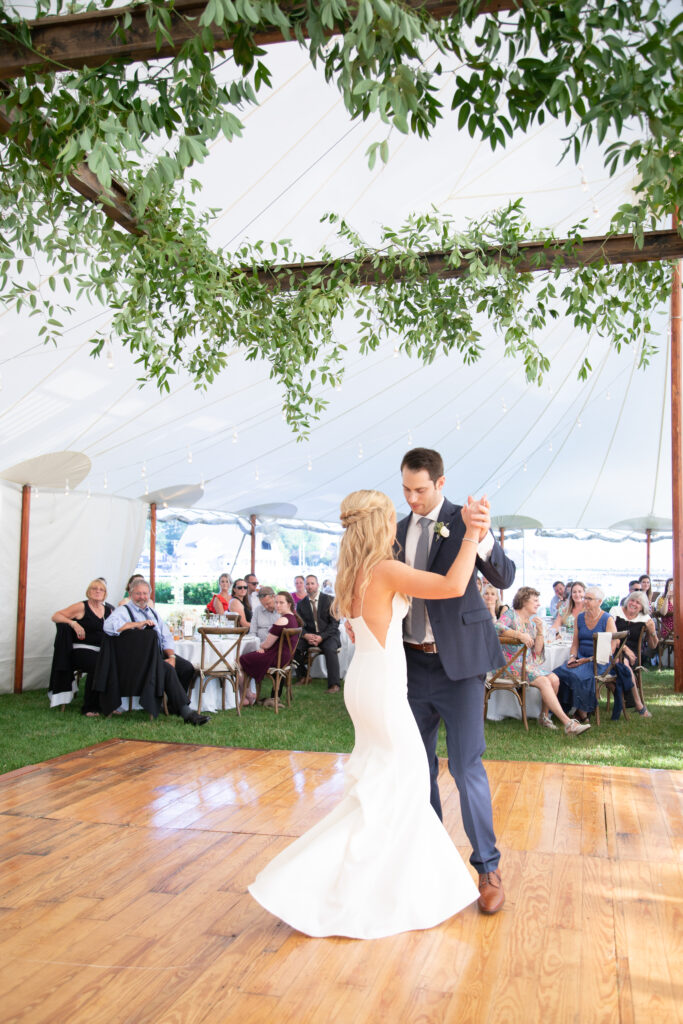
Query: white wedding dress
{"points": [[381, 862]]}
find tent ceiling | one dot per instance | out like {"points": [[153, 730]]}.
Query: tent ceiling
{"points": [[564, 454]]}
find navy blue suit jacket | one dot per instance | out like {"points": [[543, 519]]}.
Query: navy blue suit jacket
{"points": [[462, 627]]}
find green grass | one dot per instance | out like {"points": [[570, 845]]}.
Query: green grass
{"points": [[31, 732]]}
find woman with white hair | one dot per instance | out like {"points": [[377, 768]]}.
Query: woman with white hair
{"points": [[577, 683], [635, 617]]}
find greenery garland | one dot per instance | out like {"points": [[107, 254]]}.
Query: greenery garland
{"points": [[603, 67]]}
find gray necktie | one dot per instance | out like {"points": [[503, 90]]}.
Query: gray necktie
{"points": [[418, 622]]}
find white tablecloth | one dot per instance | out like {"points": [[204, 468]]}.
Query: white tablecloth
{"points": [[212, 699], [505, 705]]}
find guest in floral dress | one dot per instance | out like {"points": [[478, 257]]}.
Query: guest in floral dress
{"points": [[521, 623]]}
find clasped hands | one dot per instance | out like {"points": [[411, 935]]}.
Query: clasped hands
{"points": [[313, 639], [477, 514]]}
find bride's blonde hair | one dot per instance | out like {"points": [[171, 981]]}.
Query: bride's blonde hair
{"points": [[369, 518]]}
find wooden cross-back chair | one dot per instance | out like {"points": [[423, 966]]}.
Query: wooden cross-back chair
{"points": [[503, 678], [606, 679], [281, 672], [313, 653], [220, 664]]}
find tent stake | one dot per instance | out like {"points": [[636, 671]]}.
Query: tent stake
{"points": [[21, 595]]}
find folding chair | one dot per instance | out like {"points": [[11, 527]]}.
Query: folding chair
{"points": [[281, 671], [220, 664], [503, 679], [313, 653], [607, 678]]}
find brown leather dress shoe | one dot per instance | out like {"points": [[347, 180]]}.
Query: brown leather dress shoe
{"points": [[491, 895]]}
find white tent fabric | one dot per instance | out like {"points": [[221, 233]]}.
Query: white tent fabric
{"points": [[565, 454], [72, 539]]}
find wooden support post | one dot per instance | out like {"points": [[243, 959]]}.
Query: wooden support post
{"points": [[502, 536], [152, 547], [648, 537], [677, 468], [252, 520], [21, 593]]}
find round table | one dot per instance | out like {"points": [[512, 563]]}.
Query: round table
{"points": [[505, 705]]}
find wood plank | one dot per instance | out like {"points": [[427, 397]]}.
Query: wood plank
{"points": [[126, 921]]}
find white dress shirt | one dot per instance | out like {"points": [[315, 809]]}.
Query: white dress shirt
{"points": [[483, 551]]}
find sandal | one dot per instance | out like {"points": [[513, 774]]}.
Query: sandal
{"points": [[644, 713], [545, 722], [574, 728]]}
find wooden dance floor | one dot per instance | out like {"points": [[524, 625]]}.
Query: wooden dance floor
{"points": [[123, 898]]}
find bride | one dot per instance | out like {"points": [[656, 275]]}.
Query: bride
{"points": [[381, 862]]}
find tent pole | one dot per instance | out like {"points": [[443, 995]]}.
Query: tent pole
{"points": [[502, 544], [252, 520], [676, 468], [152, 547], [21, 595], [648, 535]]}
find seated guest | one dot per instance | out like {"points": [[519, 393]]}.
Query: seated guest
{"points": [[239, 603], [577, 682], [522, 624], [77, 649], [491, 599], [126, 596], [255, 664], [633, 585], [664, 610], [299, 592], [178, 672], [220, 602], [646, 587], [635, 617], [321, 630], [252, 593], [327, 588], [569, 609], [557, 598], [266, 615]]}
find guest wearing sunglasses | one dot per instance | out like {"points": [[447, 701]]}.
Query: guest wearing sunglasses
{"points": [[238, 602]]}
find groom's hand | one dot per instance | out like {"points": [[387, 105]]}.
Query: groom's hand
{"points": [[480, 515]]}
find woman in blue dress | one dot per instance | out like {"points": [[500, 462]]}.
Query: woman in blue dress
{"points": [[577, 682]]}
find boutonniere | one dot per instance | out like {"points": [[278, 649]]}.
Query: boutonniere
{"points": [[441, 530]]}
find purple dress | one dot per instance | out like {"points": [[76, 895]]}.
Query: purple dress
{"points": [[257, 663]]}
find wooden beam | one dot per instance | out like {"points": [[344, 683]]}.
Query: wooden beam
{"points": [[21, 590], [533, 257], [93, 38], [677, 467], [114, 201]]}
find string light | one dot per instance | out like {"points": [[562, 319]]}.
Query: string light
{"points": [[410, 437], [457, 423], [505, 408], [105, 482], [201, 482], [310, 464], [395, 351], [234, 436], [360, 450], [550, 446], [256, 476], [88, 494], [524, 468], [578, 423], [66, 486], [146, 487], [189, 454], [110, 355], [143, 471], [596, 211], [608, 395]]}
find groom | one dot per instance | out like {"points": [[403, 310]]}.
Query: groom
{"points": [[450, 645]]}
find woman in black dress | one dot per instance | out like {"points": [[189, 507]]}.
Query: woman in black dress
{"points": [[255, 664], [79, 652]]}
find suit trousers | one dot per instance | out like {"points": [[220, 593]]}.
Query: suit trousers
{"points": [[185, 671], [432, 697], [329, 649]]}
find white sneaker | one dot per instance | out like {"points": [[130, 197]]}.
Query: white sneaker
{"points": [[545, 722], [574, 728]]}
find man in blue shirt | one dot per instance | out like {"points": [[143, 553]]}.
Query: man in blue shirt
{"points": [[179, 672], [558, 597]]}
